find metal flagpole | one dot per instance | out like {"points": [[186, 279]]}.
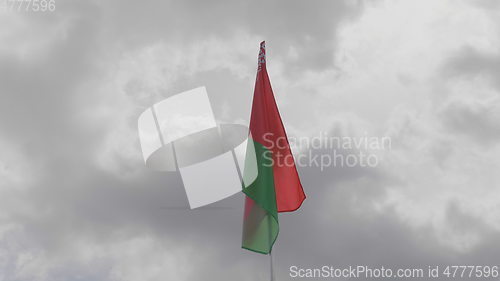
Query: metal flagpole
{"points": [[272, 267], [271, 250]]}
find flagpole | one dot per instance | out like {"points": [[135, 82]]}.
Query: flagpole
{"points": [[272, 267], [271, 250]]}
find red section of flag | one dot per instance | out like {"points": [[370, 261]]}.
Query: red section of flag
{"points": [[267, 128]]}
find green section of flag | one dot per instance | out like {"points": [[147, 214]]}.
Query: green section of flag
{"points": [[260, 224]]}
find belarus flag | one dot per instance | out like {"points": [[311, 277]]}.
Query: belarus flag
{"points": [[275, 185]]}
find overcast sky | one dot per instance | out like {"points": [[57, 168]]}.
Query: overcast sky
{"points": [[78, 203]]}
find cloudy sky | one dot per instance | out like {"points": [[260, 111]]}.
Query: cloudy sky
{"points": [[77, 202]]}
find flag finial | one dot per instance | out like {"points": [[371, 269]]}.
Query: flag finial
{"points": [[262, 55]]}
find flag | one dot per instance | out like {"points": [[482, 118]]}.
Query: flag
{"points": [[276, 187]]}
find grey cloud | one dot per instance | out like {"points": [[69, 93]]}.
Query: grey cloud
{"points": [[480, 121], [470, 62], [36, 104], [307, 28]]}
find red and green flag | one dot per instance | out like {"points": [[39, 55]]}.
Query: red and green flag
{"points": [[275, 184]]}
